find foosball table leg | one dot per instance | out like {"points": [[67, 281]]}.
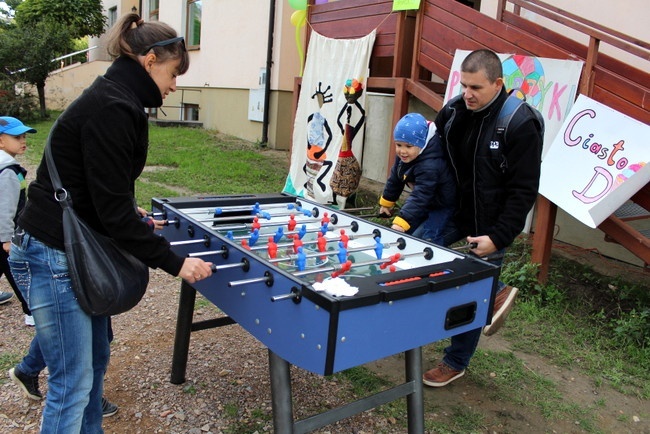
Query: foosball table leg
{"points": [[282, 403], [415, 400], [281, 394], [183, 331]]}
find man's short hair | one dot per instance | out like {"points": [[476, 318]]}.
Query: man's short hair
{"points": [[483, 59]]}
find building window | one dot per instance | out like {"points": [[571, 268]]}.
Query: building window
{"points": [[154, 10], [193, 36], [112, 16], [190, 112]]}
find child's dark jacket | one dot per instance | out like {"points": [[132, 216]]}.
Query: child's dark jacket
{"points": [[431, 181]]}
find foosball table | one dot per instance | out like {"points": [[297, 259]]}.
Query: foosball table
{"points": [[323, 290]]}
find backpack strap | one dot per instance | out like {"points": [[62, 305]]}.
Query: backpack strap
{"points": [[508, 110], [16, 169]]}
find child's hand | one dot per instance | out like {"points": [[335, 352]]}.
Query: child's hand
{"points": [[385, 211], [397, 228], [6, 246]]}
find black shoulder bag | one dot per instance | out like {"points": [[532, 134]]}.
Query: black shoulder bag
{"points": [[106, 279]]}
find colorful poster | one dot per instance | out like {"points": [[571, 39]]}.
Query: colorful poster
{"points": [[406, 5], [598, 160], [330, 120], [550, 85]]}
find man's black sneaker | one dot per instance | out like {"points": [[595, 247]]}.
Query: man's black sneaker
{"points": [[29, 385], [108, 408]]}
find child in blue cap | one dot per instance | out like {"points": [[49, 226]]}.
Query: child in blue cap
{"points": [[420, 165], [12, 200]]}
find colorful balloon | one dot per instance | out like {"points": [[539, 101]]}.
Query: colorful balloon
{"points": [[299, 5], [298, 18]]}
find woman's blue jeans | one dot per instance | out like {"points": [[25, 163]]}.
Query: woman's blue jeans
{"points": [[74, 344]]}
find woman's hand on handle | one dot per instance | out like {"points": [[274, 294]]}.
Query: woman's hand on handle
{"points": [[195, 269]]}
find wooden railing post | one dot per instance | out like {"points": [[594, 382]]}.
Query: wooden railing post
{"points": [[543, 237]]}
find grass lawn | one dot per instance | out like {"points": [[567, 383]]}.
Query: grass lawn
{"points": [[579, 315]]}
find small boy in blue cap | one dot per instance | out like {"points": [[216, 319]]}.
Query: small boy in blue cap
{"points": [[419, 164], [12, 200]]}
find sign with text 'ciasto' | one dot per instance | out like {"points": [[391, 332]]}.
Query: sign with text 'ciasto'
{"points": [[598, 160]]}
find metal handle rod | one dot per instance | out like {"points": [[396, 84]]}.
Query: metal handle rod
{"points": [[250, 225], [248, 281], [270, 234], [260, 207], [379, 261], [306, 243], [227, 266], [307, 231], [283, 297], [354, 265], [229, 218], [208, 253], [186, 242], [332, 252]]}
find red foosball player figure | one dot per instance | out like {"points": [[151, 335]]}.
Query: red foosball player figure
{"points": [[272, 248], [256, 224], [344, 238], [292, 222], [297, 242], [244, 244], [321, 242], [345, 267], [325, 220], [390, 261]]}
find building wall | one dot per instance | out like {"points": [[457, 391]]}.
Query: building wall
{"points": [[64, 85], [233, 52], [629, 17]]}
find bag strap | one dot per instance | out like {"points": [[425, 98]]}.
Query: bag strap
{"points": [[60, 194]]}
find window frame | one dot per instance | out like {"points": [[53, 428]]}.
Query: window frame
{"points": [[190, 30]]}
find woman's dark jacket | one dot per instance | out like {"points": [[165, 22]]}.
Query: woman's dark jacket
{"points": [[99, 145], [497, 182], [431, 180]]}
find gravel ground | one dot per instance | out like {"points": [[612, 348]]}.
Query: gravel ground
{"points": [[227, 388]]}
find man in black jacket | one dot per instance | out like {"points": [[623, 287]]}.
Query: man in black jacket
{"points": [[498, 178]]}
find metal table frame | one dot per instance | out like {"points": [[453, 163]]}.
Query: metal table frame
{"points": [[279, 370]]}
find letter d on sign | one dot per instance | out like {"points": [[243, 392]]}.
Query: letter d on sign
{"points": [[582, 196]]}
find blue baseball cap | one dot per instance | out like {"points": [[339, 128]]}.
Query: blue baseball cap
{"points": [[13, 126], [413, 129]]}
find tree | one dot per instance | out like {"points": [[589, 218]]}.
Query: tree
{"points": [[42, 31], [27, 53], [80, 17]]}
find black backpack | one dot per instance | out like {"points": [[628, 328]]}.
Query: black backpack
{"points": [[508, 110]]}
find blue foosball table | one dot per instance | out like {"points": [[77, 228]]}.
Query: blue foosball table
{"points": [[323, 290]]}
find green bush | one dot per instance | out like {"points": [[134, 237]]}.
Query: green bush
{"points": [[14, 102]]}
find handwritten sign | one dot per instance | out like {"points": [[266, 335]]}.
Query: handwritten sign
{"points": [[550, 85], [598, 160], [406, 5]]}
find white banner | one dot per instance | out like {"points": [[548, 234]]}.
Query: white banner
{"points": [[597, 161], [550, 85], [330, 119]]}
